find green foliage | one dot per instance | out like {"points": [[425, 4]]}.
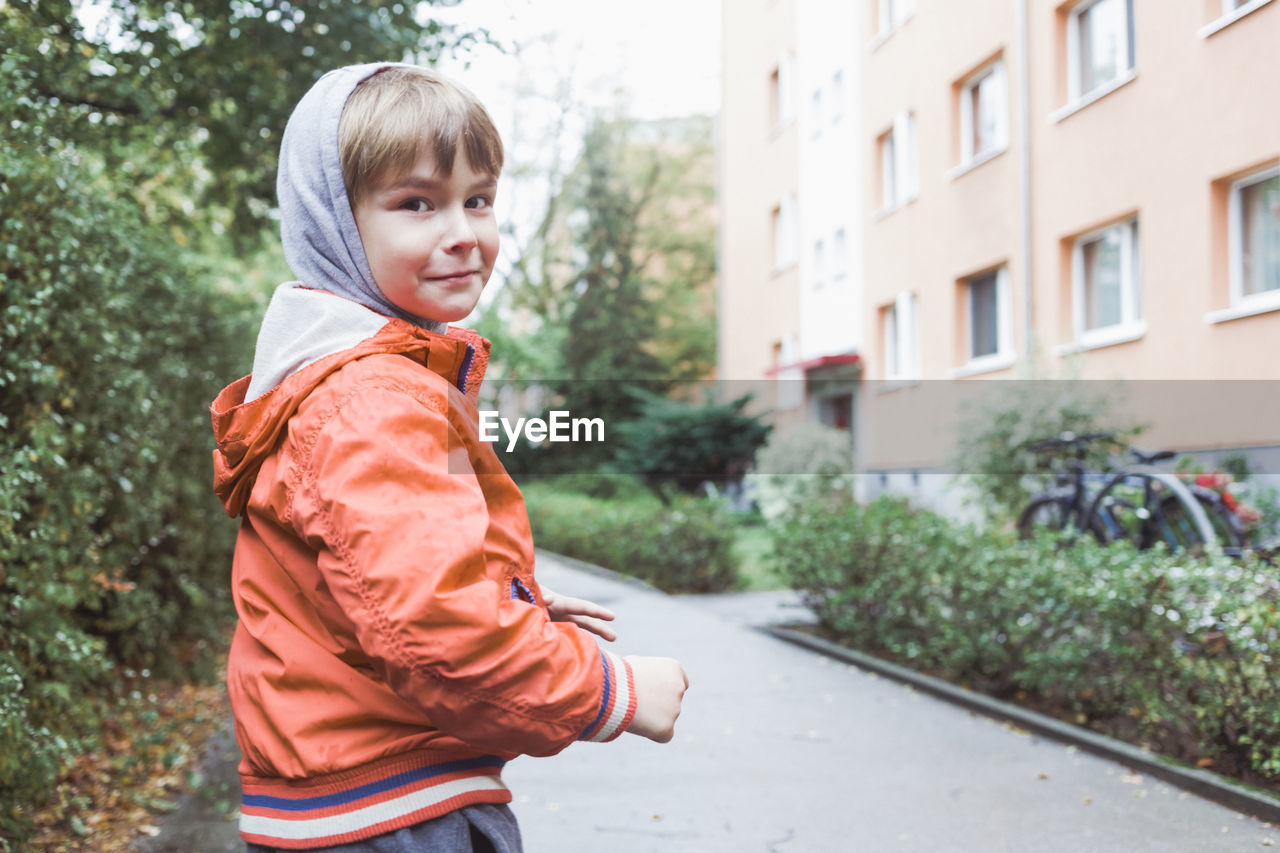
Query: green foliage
{"points": [[188, 101], [684, 547], [1180, 655], [672, 441], [112, 548], [992, 447], [805, 463]]}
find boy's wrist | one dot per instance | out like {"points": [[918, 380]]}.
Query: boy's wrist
{"points": [[617, 703]]}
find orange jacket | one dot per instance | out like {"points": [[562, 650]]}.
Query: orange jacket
{"points": [[393, 648]]}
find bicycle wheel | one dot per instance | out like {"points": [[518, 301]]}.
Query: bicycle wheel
{"points": [[1044, 513], [1051, 512], [1147, 507], [1227, 528]]}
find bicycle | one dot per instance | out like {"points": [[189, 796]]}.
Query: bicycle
{"points": [[1139, 503], [1066, 506], [1143, 505]]}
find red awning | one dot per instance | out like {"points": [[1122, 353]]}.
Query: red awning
{"points": [[818, 363]]}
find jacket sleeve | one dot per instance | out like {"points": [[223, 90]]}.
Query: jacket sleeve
{"points": [[389, 499]]}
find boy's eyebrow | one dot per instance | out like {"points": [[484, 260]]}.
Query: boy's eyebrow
{"points": [[418, 182]]}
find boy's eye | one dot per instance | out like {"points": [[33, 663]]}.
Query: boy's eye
{"points": [[479, 202], [415, 205]]}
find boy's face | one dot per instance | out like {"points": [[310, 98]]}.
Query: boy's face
{"points": [[431, 240]]}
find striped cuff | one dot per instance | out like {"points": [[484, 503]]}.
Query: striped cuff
{"points": [[617, 705]]}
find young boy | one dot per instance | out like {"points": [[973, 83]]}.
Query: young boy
{"points": [[394, 649]]}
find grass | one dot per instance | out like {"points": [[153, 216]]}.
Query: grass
{"points": [[753, 551]]}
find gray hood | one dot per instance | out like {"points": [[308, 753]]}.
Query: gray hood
{"points": [[321, 242]]}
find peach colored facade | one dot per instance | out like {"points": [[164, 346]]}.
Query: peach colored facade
{"points": [[758, 306], [1057, 182]]}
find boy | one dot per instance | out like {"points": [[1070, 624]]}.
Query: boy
{"points": [[394, 649]]}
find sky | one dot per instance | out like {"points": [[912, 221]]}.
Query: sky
{"points": [[664, 54]]}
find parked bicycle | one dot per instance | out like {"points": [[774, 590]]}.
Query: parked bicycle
{"points": [[1138, 503]]}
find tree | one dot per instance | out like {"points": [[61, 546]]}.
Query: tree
{"points": [[673, 442], [616, 286], [185, 102]]}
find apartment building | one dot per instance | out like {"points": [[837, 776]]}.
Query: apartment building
{"points": [[1093, 183]]}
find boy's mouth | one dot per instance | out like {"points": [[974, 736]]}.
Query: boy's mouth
{"points": [[460, 277]]}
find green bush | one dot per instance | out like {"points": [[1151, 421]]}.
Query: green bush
{"points": [[684, 547], [995, 432], [113, 551], [808, 462], [1176, 653]]}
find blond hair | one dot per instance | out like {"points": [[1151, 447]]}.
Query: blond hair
{"points": [[399, 114]]}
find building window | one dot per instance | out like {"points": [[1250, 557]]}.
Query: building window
{"points": [[1254, 237], [1100, 45], [900, 338], [839, 255], [899, 182], [1227, 12], [984, 114], [790, 376], [891, 14], [1107, 296], [784, 233], [990, 317], [819, 264], [782, 92], [837, 96]]}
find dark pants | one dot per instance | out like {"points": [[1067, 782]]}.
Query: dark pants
{"points": [[473, 829]]}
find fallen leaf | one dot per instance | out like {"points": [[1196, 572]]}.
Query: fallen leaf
{"points": [[1204, 762], [1131, 779]]}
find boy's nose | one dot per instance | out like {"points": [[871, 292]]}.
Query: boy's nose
{"points": [[459, 235]]}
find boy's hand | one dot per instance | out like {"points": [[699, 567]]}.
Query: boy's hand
{"points": [[660, 685], [587, 616]]}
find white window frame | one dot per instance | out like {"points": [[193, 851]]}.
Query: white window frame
{"points": [[790, 377], [901, 339], [839, 255], [815, 106], [1131, 326], [819, 263], [891, 15], [1004, 355], [1076, 95], [785, 95], [995, 73], [1230, 14], [784, 233], [899, 171], [1254, 302], [837, 95]]}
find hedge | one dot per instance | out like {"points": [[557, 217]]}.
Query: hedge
{"points": [[1175, 653], [113, 552], [684, 547]]}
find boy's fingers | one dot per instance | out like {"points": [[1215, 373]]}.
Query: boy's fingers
{"points": [[595, 627]]}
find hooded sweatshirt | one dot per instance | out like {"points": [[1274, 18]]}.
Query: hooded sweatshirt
{"points": [[393, 648]]}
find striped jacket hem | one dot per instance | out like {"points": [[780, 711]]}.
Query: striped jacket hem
{"points": [[382, 797]]}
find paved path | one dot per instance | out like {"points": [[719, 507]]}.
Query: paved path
{"points": [[781, 749]]}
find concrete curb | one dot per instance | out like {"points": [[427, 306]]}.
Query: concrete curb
{"points": [[1208, 785]]}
